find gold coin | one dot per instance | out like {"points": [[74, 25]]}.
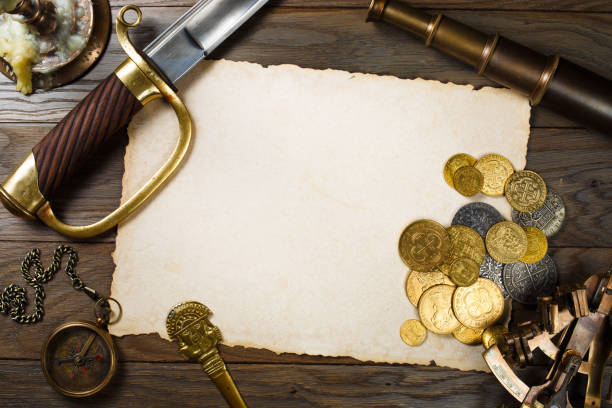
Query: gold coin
{"points": [[413, 332], [418, 282], [493, 335], [537, 245], [506, 242], [464, 272], [454, 163], [436, 311], [525, 191], [424, 245], [465, 243], [478, 306], [468, 181], [496, 169], [467, 335]]}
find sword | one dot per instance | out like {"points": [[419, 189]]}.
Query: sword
{"points": [[142, 77]]}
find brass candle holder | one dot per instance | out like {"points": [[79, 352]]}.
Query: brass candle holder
{"points": [[38, 13], [92, 23]]}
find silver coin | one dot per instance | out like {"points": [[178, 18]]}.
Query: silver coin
{"points": [[525, 282], [478, 216], [493, 270], [549, 218]]}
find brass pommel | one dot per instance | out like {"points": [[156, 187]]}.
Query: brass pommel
{"points": [[560, 85], [20, 193]]}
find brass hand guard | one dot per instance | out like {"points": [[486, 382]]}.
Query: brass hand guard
{"points": [[27, 191]]}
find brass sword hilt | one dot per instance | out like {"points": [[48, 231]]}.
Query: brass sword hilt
{"points": [[28, 190], [189, 325]]}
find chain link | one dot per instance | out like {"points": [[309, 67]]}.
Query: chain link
{"points": [[13, 300]]}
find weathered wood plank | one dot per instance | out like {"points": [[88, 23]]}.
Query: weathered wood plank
{"points": [[96, 267], [340, 39], [265, 385], [575, 163], [89, 197], [543, 5], [578, 168]]}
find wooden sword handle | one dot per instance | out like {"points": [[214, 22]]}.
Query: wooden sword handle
{"points": [[93, 122]]}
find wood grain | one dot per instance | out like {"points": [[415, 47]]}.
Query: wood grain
{"points": [[575, 163], [265, 385], [316, 34], [340, 39], [542, 5], [90, 125]]}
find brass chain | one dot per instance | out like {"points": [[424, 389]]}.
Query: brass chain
{"points": [[13, 300]]}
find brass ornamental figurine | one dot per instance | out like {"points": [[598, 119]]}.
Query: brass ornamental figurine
{"points": [[198, 338]]}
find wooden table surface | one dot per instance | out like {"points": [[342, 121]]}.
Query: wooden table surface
{"points": [[575, 162]]}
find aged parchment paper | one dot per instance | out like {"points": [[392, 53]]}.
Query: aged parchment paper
{"points": [[285, 218]]}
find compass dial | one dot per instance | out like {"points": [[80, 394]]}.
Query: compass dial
{"points": [[79, 359]]}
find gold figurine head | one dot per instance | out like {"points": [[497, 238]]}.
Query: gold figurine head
{"points": [[188, 324]]}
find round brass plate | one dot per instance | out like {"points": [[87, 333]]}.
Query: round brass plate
{"points": [[81, 63]]}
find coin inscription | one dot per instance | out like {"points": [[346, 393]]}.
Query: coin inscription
{"points": [[480, 305], [465, 243], [467, 335], [525, 191], [413, 333], [424, 245], [495, 169], [435, 309], [548, 218], [506, 242], [525, 282], [493, 270], [478, 216], [455, 162], [418, 282], [468, 181], [464, 272], [537, 245]]}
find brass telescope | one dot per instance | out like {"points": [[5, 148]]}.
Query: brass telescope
{"points": [[557, 84]]}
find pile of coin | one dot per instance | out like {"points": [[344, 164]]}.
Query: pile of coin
{"points": [[444, 283], [460, 275]]}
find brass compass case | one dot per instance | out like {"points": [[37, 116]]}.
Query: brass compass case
{"points": [[79, 359]]}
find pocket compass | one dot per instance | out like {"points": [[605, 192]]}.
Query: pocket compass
{"points": [[79, 358]]}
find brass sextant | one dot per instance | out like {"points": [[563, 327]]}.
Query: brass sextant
{"points": [[574, 321]]}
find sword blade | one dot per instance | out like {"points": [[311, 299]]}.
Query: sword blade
{"points": [[197, 33]]}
